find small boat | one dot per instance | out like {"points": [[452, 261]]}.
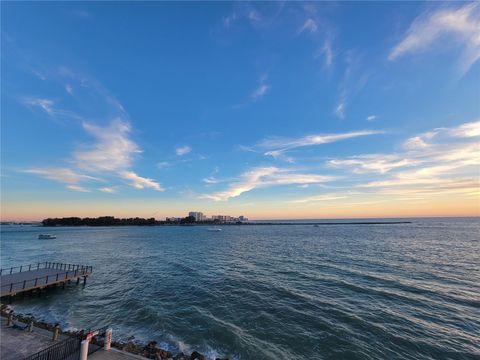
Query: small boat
{"points": [[214, 229], [46, 236]]}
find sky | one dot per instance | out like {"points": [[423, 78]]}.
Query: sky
{"points": [[271, 110]]}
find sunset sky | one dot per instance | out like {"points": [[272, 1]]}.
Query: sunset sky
{"points": [[268, 110]]}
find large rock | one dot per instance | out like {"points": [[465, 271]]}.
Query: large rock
{"points": [[163, 354], [197, 356]]}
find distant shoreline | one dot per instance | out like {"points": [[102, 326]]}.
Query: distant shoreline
{"points": [[253, 224]]}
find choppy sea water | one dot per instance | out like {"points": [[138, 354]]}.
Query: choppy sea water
{"points": [[406, 291]]}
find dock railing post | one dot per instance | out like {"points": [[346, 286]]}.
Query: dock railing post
{"points": [[84, 350], [10, 318], [108, 339], [56, 332]]}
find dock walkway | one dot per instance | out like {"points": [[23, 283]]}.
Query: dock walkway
{"points": [[24, 278]]}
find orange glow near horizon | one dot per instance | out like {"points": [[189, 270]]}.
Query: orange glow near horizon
{"points": [[377, 208]]}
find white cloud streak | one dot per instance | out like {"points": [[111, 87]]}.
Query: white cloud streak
{"points": [[139, 182], [262, 89], [276, 147], [62, 175], [309, 25], [438, 162], [451, 27], [77, 188], [108, 190], [183, 150], [46, 105], [265, 177], [113, 150]]}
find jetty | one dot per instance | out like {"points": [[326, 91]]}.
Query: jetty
{"points": [[20, 279]]}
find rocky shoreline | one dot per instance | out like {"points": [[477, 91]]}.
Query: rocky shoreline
{"points": [[149, 350]]}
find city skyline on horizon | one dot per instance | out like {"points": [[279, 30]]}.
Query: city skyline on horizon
{"points": [[275, 111]]}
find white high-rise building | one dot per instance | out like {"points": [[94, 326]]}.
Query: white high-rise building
{"points": [[198, 215]]}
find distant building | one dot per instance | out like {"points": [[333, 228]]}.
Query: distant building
{"points": [[198, 215], [242, 218], [173, 219]]}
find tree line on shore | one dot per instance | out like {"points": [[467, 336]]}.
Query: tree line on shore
{"points": [[112, 221]]}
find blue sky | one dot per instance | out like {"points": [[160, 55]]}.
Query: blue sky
{"points": [[271, 110]]}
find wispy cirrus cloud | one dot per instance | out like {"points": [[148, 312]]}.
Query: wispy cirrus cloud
{"points": [[46, 105], [327, 52], [77, 188], [140, 182], [183, 150], [310, 25], [243, 11], [263, 177], [69, 89], [112, 151], [457, 26], [436, 164], [443, 158], [70, 178], [373, 163], [372, 117], [63, 175], [277, 147], [108, 189], [262, 89], [340, 108]]}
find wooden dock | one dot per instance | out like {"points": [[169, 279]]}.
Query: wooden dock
{"points": [[16, 280]]}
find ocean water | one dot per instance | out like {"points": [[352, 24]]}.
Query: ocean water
{"points": [[406, 291]]}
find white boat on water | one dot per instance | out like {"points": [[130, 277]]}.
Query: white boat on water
{"points": [[46, 236], [214, 229]]}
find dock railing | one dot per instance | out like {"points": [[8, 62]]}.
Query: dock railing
{"points": [[59, 351], [42, 265], [72, 272]]}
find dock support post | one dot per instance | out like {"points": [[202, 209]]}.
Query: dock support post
{"points": [[78, 280], [84, 280], [10, 318], [56, 332], [108, 339], [84, 350]]}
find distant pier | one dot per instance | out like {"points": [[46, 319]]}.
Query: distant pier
{"points": [[21, 279]]}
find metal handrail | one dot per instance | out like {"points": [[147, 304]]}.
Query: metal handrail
{"points": [[83, 271], [37, 266], [58, 351], [22, 267]]}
